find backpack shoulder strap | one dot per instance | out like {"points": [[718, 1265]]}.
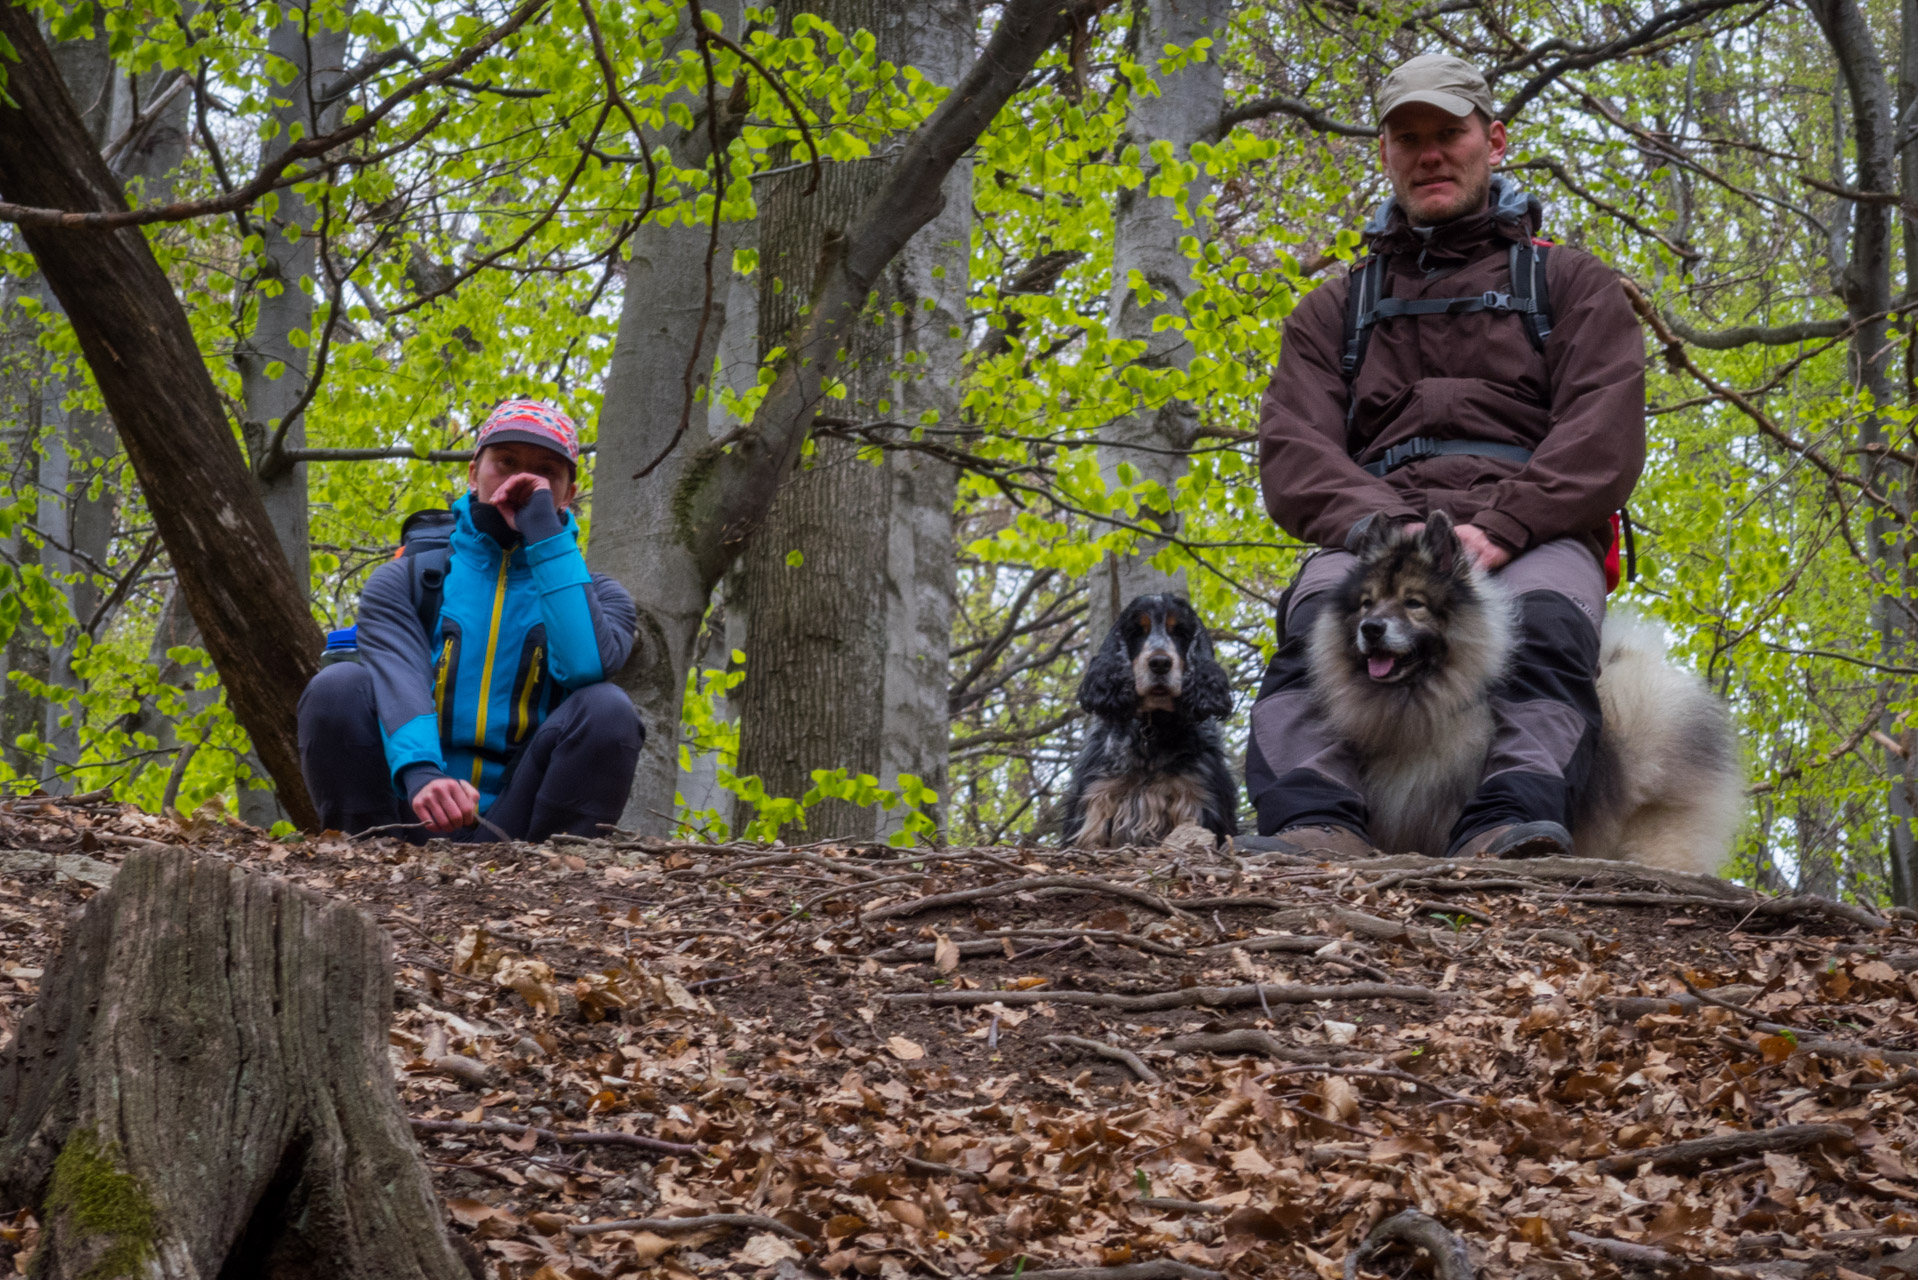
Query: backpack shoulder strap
{"points": [[1361, 314], [427, 578], [1528, 286]]}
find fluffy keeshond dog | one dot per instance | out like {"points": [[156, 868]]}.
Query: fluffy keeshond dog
{"points": [[1403, 662]]}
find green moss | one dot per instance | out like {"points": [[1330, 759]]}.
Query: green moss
{"points": [[100, 1199]]}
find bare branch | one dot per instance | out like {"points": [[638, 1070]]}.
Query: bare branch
{"points": [[274, 173]]}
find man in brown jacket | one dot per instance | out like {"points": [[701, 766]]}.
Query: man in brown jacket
{"points": [[1528, 430]]}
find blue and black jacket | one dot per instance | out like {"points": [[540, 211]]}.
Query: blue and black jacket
{"points": [[521, 624]]}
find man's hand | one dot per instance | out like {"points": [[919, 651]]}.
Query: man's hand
{"points": [[515, 492], [1490, 556], [1485, 553], [447, 804]]}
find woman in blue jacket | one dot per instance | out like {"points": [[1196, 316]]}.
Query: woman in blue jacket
{"points": [[499, 705]]}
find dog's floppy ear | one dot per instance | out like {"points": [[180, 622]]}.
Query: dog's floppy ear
{"points": [[1440, 543], [1109, 688], [1206, 693]]}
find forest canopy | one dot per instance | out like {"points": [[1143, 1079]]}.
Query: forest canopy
{"points": [[870, 555]]}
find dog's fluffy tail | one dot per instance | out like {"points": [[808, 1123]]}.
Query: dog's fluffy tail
{"points": [[1668, 790]]}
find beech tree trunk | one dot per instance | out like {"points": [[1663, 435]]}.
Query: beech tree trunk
{"points": [[285, 281], [693, 513], [846, 648], [931, 277], [811, 585], [136, 340], [79, 445], [1864, 282], [1150, 443], [203, 1089], [637, 536]]}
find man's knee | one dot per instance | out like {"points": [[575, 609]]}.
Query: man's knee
{"points": [[605, 713], [337, 701]]}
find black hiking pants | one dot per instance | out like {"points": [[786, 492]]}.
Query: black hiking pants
{"points": [[1545, 710], [572, 775]]}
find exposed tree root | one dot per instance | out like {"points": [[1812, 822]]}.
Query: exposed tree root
{"points": [[1261, 1042], [637, 1142], [1163, 1269], [669, 1226], [1451, 1260], [1697, 1151], [1184, 998], [1081, 884], [1132, 1061]]}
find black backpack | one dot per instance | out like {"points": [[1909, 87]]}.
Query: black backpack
{"points": [[1365, 307], [1530, 298], [426, 544]]}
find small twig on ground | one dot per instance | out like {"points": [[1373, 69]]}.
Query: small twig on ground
{"points": [[1696, 1151], [1166, 1205], [1646, 1257], [1803, 1041], [1163, 1269], [1385, 1073], [563, 1138], [1451, 1260], [670, 1226], [1261, 1042], [1183, 998], [1447, 910], [1004, 888], [835, 892], [1132, 1061]]}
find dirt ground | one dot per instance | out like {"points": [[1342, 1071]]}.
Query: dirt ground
{"points": [[1158, 1063]]}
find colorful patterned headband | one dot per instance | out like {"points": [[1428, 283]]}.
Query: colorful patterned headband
{"points": [[531, 422]]}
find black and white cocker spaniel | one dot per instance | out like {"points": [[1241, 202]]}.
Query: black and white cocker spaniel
{"points": [[1153, 758]]}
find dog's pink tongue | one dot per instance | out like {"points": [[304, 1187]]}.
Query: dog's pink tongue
{"points": [[1379, 666]]}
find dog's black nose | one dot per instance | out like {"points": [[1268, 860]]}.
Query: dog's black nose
{"points": [[1159, 663], [1372, 630]]}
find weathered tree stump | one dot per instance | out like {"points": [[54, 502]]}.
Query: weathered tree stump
{"points": [[203, 1090]]}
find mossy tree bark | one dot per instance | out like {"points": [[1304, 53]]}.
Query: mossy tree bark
{"points": [[203, 1090]]}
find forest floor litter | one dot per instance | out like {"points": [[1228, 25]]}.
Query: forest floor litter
{"points": [[635, 1057]]}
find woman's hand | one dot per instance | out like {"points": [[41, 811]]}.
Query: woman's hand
{"points": [[447, 804], [516, 492]]}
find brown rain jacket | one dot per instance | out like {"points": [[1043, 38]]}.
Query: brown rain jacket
{"points": [[1580, 406]]}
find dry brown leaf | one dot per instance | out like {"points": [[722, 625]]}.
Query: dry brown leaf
{"points": [[649, 1248], [470, 1213], [945, 954], [469, 949], [531, 980], [1340, 1098], [766, 1250], [1248, 1161], [905, 1050]]}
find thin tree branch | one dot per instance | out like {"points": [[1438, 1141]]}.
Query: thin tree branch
{"points": [[1262, 108], [274, 174]]}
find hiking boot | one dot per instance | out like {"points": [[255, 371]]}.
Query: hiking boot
{"points": [[1517, 840], [1336, 843]]}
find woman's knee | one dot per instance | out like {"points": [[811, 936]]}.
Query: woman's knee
{"points": [[604, 712], [339, 699]]}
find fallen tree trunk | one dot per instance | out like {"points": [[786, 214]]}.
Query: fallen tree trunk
{"points": [[203, 1089]]}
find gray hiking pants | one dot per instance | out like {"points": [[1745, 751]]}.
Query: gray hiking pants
{"points": [[1545, 710]]}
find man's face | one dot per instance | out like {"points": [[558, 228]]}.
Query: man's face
{"points": [[498, 463], [1440, 165]]}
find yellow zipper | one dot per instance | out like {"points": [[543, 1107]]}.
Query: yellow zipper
{"points": [[486, 676], [440, 677], [526, 694]]}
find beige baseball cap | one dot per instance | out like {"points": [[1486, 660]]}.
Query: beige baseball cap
{"points": [[1448, 83]]}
